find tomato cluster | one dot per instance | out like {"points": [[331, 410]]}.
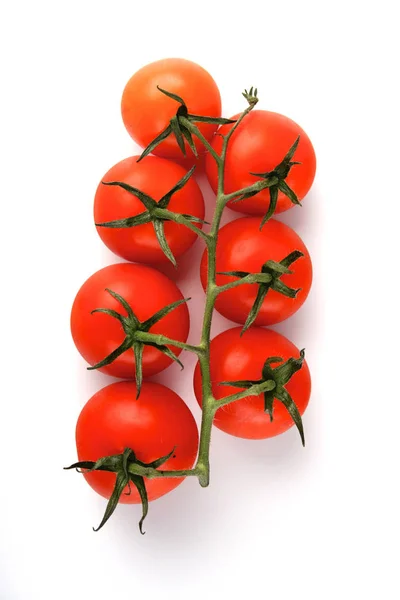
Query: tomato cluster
{"points": [[131, 321]]}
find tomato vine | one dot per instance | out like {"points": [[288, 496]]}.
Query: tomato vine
{"points": [[128, 468]]}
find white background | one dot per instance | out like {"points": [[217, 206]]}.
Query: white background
{"points": [[277, 521]]}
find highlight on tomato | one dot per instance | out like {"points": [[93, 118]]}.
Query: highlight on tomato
{"points": [[240, 362], [274, 259], [161, 92], [126, 203], [118, 435], [125, 319], [257, 150]]}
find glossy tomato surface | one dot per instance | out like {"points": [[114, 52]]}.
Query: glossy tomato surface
{"points": [[243, 247], [156, 177], [146, 291], [257, 146], [152, 425], [242, 358], [146, 111]]}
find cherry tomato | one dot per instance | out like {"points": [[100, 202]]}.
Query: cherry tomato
{"points": [[152, 425], [146, 111], [146, 291], [155, 177], [257, 146], [235, 357], [243, 247]]}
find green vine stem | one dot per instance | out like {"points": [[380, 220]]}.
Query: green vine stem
{"points": [[209, 404]]}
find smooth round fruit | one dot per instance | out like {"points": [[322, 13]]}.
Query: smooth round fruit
{"points": [[236, 358], [152, 425], [155, 177], [146, 291], [146, 111], [243, 247], [257, 146]]}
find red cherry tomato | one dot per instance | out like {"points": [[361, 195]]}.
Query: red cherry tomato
{"points": [[146, 291], [235, 357], [146, 111], [243, 247], [152, 425], [155, 177], [257, 146]]}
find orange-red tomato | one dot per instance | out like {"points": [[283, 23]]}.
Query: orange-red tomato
{"points": [[243, 247], [235, 357], [146, 291], [152, 425], [146, 111], [257, 146], [154, 176]]}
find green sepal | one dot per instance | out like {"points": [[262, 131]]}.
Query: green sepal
{"points": [[165, 200], [110, 312], [276, 179], [125, 305], [284, 397], [195, 219], [140, 219], [132, 326], [211, 120], [276, 267], [176, 130], [156, 142], [269, 404], [268, 278], [145, 199], [255, 309], [189, 138], [120, 484], [119, 464], [163, 312], [153, 213], [167, 351], [285, 189], [291, 258], [285, 290], [280, 375], [162, 240], [138, 352], [290, 367], [126, 344], [171, 95], [138, 481], [243, 383], [273, 200], [158, 462]]}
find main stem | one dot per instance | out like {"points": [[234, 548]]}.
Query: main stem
{"points": [[209, 404]]}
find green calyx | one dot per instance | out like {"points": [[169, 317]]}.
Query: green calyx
{"points": [[268, 279], [251, 96], [278, 376], [137, 335], [276, 183], [128, 470], [156, 212], [178, 126]]}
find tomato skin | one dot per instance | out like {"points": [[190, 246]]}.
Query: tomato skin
{"points": [[243, 247], [236, 358], [258, 145], [146, 111], [152, 425], [154, 176], [147, 291]]}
